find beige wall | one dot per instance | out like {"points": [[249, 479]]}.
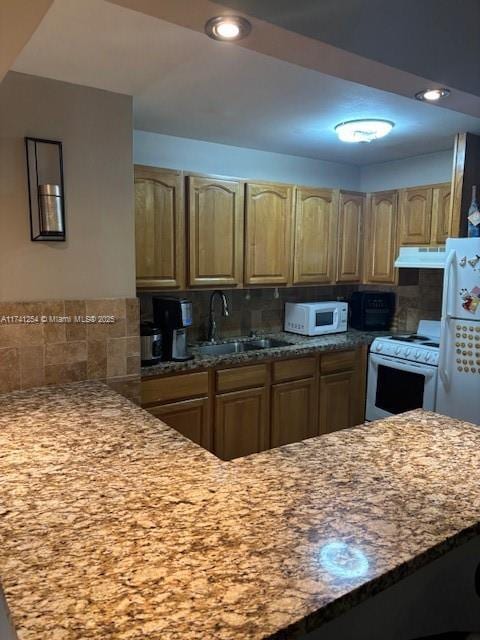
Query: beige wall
{"points": [[95, 126], [18, 21]]}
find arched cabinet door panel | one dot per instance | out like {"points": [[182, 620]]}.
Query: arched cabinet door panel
{"points": [[315, 232], [415, 216], [215, 231], [268, 251], [350, 234], [381, 238], [159, 228]]}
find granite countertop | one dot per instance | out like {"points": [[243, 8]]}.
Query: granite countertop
{"points": [[115, 527], [299, 345]]}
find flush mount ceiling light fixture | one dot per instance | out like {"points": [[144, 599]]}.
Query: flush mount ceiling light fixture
{"points": [[228, 28], [363, 130], [432, 95]]}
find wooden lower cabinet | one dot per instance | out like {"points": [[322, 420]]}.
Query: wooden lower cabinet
{"points": [[294, 415], [241, 423], [190, 417], [238, 411], [337, 394]]}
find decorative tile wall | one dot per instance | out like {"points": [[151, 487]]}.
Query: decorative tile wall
{"points": [[419, 301], [250, 310], [261, 310], [60, 341]]}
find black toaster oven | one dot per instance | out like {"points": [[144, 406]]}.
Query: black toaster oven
{"points": [[372, 310]]}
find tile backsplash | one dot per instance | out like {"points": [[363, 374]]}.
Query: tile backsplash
{"points": [[59, 341], [262, 309], [420, 301], [250, 309]]}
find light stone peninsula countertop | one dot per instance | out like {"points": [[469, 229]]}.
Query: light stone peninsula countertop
{"points": [[115, 527]]}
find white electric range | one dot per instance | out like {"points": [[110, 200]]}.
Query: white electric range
{"points": [[402, 372]]}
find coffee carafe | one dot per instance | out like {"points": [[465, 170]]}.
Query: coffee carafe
{"points": [[173, 316]]}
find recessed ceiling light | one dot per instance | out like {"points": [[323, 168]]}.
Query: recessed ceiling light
{"points": [[363, 130], [432, 95], [228, 28]]}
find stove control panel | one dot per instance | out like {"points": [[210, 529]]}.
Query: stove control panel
{"points": [[413, 353]]}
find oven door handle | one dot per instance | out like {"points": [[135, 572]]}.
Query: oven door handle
{"points": [[426, 370]]}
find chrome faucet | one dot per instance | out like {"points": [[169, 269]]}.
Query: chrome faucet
{"points": [[212, 325]]}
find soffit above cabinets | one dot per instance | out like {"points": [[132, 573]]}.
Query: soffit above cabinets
{"points": [[185, 84]]}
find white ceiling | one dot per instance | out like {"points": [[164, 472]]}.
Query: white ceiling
{"points": [[187, 85]]}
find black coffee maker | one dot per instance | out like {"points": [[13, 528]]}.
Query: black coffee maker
{"points": [[173, 316]]}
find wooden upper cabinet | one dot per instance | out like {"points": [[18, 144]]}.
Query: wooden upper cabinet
{"points": [[159, 228], [441, 214], [380, 238], [269, 209], [215, 231], [415, 213], [350, 232], [315, 234]]}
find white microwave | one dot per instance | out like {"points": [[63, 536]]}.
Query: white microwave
{"points": [[316, 318]]}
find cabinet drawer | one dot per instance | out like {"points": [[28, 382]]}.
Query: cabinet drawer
{"points": [[337, 361], [174, 387], [241, 378], [293, 369]]}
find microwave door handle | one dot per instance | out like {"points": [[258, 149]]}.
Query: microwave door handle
{"points": [[335, 318]]}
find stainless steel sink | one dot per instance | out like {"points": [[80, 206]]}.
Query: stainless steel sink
{"points": [[221, 349], [265, 343], [238, 346]]}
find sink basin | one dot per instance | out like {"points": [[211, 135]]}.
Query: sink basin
{"points": [[239, 346], [221, 349], [265, 343]]}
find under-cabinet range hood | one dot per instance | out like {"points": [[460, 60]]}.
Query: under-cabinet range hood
{"points": [[421, 258]]}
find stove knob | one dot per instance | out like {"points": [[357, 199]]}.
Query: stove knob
{"points": [[427, 357], [379, 347], [397, 351], [417, 355], [407, 352]]}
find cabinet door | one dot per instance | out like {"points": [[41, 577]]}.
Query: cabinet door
{"points": [[159, 228], [241, 426], [415, 216], [293, 412], [441, 216], [315, 235], [380, 238], [350, 232], [337, 401], [190, 417], [215, 231], [268, 234]]}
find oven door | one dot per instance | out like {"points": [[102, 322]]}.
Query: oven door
{"points": [[395, 386]]}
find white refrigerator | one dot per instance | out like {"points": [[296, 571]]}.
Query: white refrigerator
{"points": [[458, 390]]}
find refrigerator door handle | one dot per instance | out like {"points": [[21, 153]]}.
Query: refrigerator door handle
{"points": [[443, 358], [446, 287], [444, 337]]}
